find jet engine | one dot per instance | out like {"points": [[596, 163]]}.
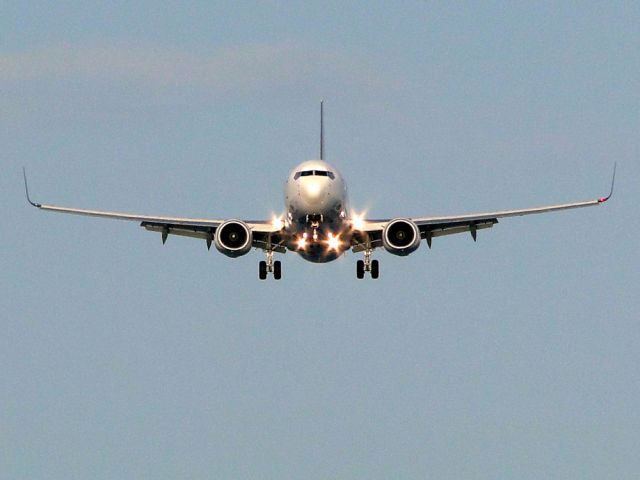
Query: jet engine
{"points": [[401, 237], [233, 238]]}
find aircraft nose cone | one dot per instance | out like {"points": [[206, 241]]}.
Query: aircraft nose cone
{"points": [[312, 192]]}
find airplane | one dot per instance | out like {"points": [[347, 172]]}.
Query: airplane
{"points": [[318, 224]]}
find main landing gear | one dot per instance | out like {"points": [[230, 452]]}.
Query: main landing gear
{"points": [[270, 267], [367, 265]]}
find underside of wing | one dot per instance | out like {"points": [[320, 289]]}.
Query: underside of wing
{"points": [[264, 236], [370, 233], [479, 217], [264, 233], [195, 222]]}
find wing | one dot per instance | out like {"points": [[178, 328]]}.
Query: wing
{"points": [[437, 226], [265, 234]]}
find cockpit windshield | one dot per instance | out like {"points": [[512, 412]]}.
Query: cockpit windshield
{"points": [[317, 173]]}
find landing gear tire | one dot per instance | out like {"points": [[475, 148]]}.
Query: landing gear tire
{"points": [[360, 269], [277, 270], [262, 270], [375, 269]]}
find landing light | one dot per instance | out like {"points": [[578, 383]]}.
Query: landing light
{"points": [[357, 221], [302, 243], [277, 222], [333, 242]]}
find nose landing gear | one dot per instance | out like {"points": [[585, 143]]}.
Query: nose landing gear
{"points": [[269, 266], [367, 265]]}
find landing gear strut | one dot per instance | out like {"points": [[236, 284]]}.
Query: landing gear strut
{"points": [[368, 265], [270, 266]]}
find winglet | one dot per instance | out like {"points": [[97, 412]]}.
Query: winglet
{"points": [[26, 189], [613, 180]]}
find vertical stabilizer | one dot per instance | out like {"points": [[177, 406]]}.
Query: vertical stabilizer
{"points": [[321, 130]]}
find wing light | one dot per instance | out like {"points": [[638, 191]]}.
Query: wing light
{"points": [[277, 222], [357, 221]]}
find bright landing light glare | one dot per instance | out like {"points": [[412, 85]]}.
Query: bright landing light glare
{"points": [[333, 242], [277, 222], [357, 221]]}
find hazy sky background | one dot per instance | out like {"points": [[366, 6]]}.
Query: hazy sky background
{"points": [[514, 357]]}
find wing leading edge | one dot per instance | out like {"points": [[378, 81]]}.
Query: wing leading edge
{"points": [[189, 227], [437, 226]]}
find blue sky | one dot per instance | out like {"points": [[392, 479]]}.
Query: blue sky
{"points": [[512, 357]]}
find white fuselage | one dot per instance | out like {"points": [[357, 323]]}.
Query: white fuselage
{"points": [[316, 218]]}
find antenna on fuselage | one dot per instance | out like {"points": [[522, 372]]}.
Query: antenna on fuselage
{"points": [[321, 130]]}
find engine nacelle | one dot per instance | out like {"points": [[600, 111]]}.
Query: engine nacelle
{"points": [[401, 237], [233, 238]]}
